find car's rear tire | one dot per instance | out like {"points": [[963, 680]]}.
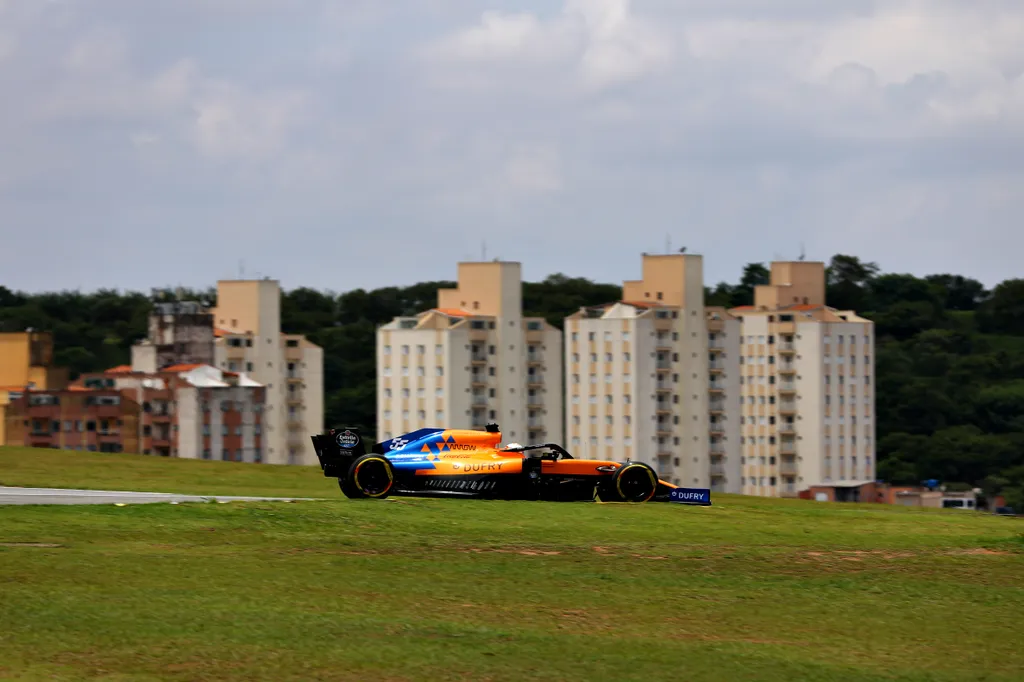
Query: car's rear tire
{"points": [[632, 482], [369, 476]]}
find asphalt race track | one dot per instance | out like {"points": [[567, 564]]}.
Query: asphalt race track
{"points": [[63, 496]]}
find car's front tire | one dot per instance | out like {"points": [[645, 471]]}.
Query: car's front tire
{"points": [[369, 476], [632, 482]]}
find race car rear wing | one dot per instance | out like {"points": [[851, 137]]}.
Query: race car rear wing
{"points": [[337, 449]]}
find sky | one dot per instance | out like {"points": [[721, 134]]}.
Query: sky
{"points": [[363, 143]]}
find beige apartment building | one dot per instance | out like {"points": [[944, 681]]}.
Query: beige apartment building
{"points": [[768, 399], [806, 375], [247, 339], [725, 405], [471, 360], [637, 373]]}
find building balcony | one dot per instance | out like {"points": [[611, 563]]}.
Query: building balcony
{"points": [[663, 407], [716, 365], [663, 386], [535, 401], [787, 467], [663, 365], [789, 493], [534, 358], [786, 347], [715, 386], [787, 447], [787, 387], [535, 380], [786, 427], [787, 406], [663, 429], [478, 379], [716, 448], [480, 400], [716, 405], [716, 427], [478, 358], [664, 450], [787, 367], [718, 470], [535, 423]]}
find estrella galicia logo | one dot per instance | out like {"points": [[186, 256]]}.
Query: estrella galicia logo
{"points": [[347, 439]]}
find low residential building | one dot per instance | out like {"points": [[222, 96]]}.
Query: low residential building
{"points": [[74, 419], [471, 360], [242, 334], [192, 411], [26, 362]]}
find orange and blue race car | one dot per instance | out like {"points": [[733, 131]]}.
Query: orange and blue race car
{"points": [[472, 463]]}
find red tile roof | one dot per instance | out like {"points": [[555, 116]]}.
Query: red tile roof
{"points": [[454, 312], [181, 368], [642, 304], [120, 369]]}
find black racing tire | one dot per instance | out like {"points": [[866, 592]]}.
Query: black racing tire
{"points": [[634, 482], [369, 476]]}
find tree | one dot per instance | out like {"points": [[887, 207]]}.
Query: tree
{"points": [[957, 292], [1003, 312], [847, 280], [949, 357], [754, 274]]}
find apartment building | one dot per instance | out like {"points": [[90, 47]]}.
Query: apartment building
{"points": [[242, 335], [26, 361], [188, 411], [725, 404], [471, 360], [637, 373], [100, 420], [806, 387]]}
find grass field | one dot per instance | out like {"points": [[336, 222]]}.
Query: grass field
{"points": [[46, 468], [405, 589]]}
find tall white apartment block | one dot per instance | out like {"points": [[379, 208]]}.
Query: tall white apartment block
{"points": [[725, 402], [249, 339], [471, 360], [806, 387], [637, 373]]}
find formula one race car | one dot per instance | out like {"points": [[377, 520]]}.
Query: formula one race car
{"points": [[470, 463]]}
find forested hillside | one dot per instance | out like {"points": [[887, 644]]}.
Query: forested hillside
{"points": [[950, 355]]}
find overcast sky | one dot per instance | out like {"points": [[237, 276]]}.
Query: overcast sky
{"points": [[362, 143]]}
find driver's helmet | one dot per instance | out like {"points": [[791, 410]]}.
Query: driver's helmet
{"points": [[512, 446]]}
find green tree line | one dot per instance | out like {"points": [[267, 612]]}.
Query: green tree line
{"points": [[949, 353]]}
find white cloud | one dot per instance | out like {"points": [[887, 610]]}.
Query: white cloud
{"points": [[534, 170], [600, 42], [892, 129], [230, 122]]}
